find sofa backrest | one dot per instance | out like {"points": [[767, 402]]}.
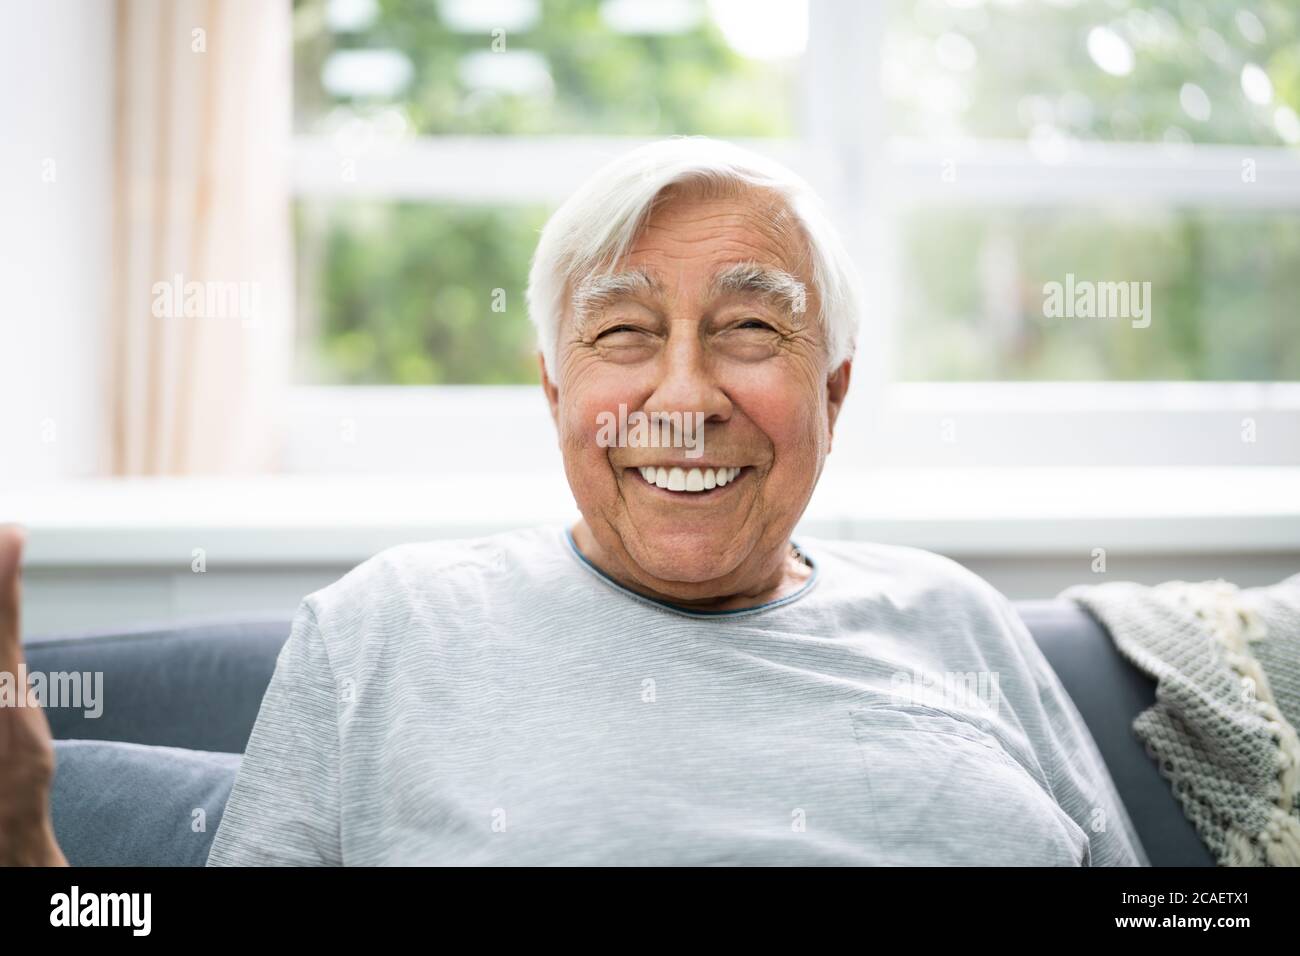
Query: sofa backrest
{"points": [[195, 685], [1109, 693]]}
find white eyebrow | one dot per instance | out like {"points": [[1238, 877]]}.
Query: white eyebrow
{"points": [[750, 278], [598, 290], [742, 278]]}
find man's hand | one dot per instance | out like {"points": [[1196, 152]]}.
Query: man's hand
{"points": [[26, 748]]}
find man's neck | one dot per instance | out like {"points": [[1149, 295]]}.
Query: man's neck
{"points": [[786, 572]]}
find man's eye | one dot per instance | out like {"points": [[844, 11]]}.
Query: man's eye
{"points": [[754, 324], [616, 329]]}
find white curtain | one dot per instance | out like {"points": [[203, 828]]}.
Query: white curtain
{"points": [[202, 122]]}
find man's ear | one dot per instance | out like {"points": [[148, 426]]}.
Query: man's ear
{"points": [[837, 386], [551, 390]]}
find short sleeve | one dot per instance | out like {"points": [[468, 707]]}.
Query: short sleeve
{"points": [[1077, 773], [283, 809]]}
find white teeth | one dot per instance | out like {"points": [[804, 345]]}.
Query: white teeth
{"points": [[696, 479]]}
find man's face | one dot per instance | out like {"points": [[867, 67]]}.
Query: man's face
{"points": [[689, 325]]}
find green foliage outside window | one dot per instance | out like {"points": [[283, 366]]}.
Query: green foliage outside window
{"points": [[404, 293]]}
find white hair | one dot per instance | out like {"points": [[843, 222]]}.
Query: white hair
{"points": [[597, 225]]}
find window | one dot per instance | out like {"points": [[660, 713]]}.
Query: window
{"points": [[1133, 139], [1053, 71], [978, 155], [401, 293], [1217, 300], [527, 67]]}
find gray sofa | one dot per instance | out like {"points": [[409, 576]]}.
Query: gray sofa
{"points": [[145, 783]]}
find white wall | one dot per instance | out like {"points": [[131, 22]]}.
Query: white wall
{"points": [[56, 99]]}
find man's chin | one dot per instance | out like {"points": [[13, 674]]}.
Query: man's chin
{"points": [[687, 557]]}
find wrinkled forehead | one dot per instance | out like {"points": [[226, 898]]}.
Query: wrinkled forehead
{"points": [[738, 213]]}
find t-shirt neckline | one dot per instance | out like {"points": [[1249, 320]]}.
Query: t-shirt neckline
{"points": [[572, 547]]}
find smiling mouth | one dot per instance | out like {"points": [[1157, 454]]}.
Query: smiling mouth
{"points": [[691, 481]]}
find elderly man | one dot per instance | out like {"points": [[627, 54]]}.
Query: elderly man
{"points": [[672, 680]]}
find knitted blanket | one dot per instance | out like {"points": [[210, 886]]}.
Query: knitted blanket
{"points": [[1223, 728]]}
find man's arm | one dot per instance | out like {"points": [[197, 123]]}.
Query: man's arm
{"points": [[26, 748], [284, 807], [1081, 783]]}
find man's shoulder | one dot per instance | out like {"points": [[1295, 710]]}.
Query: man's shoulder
{"points": [[903, 560], [449, 568], [939, 600], [909, 574]]}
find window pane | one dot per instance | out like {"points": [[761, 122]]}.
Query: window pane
{"points": [[1135, 70], [635, 67], [1221, 302], [409, 293]]}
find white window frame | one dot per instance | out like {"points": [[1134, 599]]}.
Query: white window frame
{"points": [[868, 181]]}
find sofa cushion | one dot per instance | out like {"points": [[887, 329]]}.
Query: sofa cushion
{"points": [[124, 804]]}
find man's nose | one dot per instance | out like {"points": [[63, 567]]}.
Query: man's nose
{"points": [[686, 381]]}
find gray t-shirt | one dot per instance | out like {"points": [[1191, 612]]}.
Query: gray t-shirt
{"points": [[501, 701]]}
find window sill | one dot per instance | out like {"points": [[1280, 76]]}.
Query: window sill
{"points": [[369, 430], [300, 520]]}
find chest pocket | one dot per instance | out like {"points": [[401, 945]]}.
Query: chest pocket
{"points": [[945, 791]]}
